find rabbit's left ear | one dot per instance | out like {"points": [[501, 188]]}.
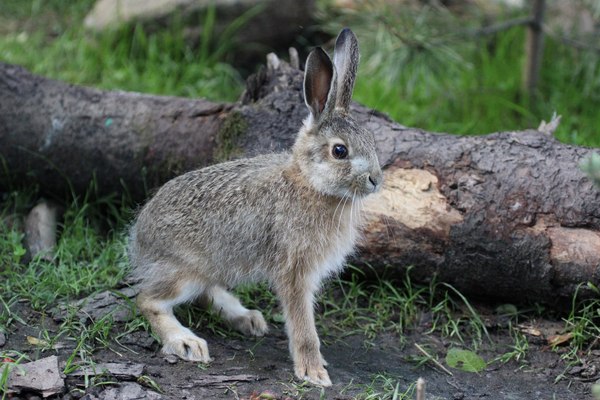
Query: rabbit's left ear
{"points": [[345, 59]]}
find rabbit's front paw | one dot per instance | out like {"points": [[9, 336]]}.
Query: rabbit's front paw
{"points": [[187, 346], [251, 323], [313, 373]]}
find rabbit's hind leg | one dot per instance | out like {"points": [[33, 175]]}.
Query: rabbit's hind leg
{"points": [[176, 338], [248, 322]]}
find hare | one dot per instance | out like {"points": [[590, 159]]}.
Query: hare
{"points": [[288, 218]]}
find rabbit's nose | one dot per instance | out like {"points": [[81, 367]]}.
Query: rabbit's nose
{"points": [[375, 181]]}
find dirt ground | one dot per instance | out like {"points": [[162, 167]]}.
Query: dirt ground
{"points": [[251, 368]]}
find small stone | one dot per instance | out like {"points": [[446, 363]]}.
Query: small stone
{"points": [[576, 370], [128, 391], [171, 358], [41, 376], [2, 339]]}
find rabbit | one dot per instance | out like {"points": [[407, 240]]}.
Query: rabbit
{"points": [[289, 219]]}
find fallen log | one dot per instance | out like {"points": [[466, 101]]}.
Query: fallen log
{"points": [[507, 215]]}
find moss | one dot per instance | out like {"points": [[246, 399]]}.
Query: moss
{"points": [[233, 128]]}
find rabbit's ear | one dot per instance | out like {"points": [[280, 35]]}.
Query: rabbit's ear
{"points": [[345, 58], [319, 83]]}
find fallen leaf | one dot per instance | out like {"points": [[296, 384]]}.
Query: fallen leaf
{"points": [[37, 342], [465, 360], [557, 340]]}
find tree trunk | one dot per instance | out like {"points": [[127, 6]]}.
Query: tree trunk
{"points": [[508, 215], [62, 137]]}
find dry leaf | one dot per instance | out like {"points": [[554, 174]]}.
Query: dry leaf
{"points": [[557, 340], [529, 330], [37, 342]]}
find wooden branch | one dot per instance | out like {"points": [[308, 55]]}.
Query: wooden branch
{"points": [[507, 216], [534, 48]]}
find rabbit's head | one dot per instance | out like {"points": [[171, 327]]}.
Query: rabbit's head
{"points": [[334, 152]]}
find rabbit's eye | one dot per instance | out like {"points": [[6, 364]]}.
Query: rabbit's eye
{"points": [[339, 151]]}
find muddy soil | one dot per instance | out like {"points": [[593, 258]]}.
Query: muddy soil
{"points": [[248, 367]]}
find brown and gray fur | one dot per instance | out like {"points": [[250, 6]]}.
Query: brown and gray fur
{"points": [[289, 219]]}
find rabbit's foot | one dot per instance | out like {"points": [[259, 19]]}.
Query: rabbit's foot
{"points": [[313, 372], [250, 323], [187, 346]]}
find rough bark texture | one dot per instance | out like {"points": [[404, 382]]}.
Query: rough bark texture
{"points": [[508, 215], [60, 136]]}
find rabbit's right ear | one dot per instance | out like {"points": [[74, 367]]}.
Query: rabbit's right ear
{"points": [[319, 83]]}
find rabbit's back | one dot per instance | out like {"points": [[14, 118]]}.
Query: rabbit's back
{"points": [[233, 222]]}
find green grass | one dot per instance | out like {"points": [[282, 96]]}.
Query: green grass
{"points": [[384, 387], [86, 259], [128, 58], [371, 307], [418, 68]]}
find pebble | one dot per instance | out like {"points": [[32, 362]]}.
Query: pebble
{"points": [[171, 358], [576, 370]]}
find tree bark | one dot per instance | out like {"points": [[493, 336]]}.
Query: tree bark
{"points": [[69, 139], [507, 216]]}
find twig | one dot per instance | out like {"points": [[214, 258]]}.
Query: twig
{"points": [[430, 357], [500, 27]]}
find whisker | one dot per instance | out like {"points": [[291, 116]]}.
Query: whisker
{"points": [[352, 208], [338, 205], [341, 213]]}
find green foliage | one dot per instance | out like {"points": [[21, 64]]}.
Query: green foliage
{"points": [[596, 391], [384, 387], [591, 165], [233, 128], [465, 360], [86, 259], [583, 322], [370, 307], [129, 58], [429, 68]]}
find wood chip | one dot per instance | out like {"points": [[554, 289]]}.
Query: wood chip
{"points": [[529, 330], [40, 230], [42, 376], [118, 370], [549, 127]]}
